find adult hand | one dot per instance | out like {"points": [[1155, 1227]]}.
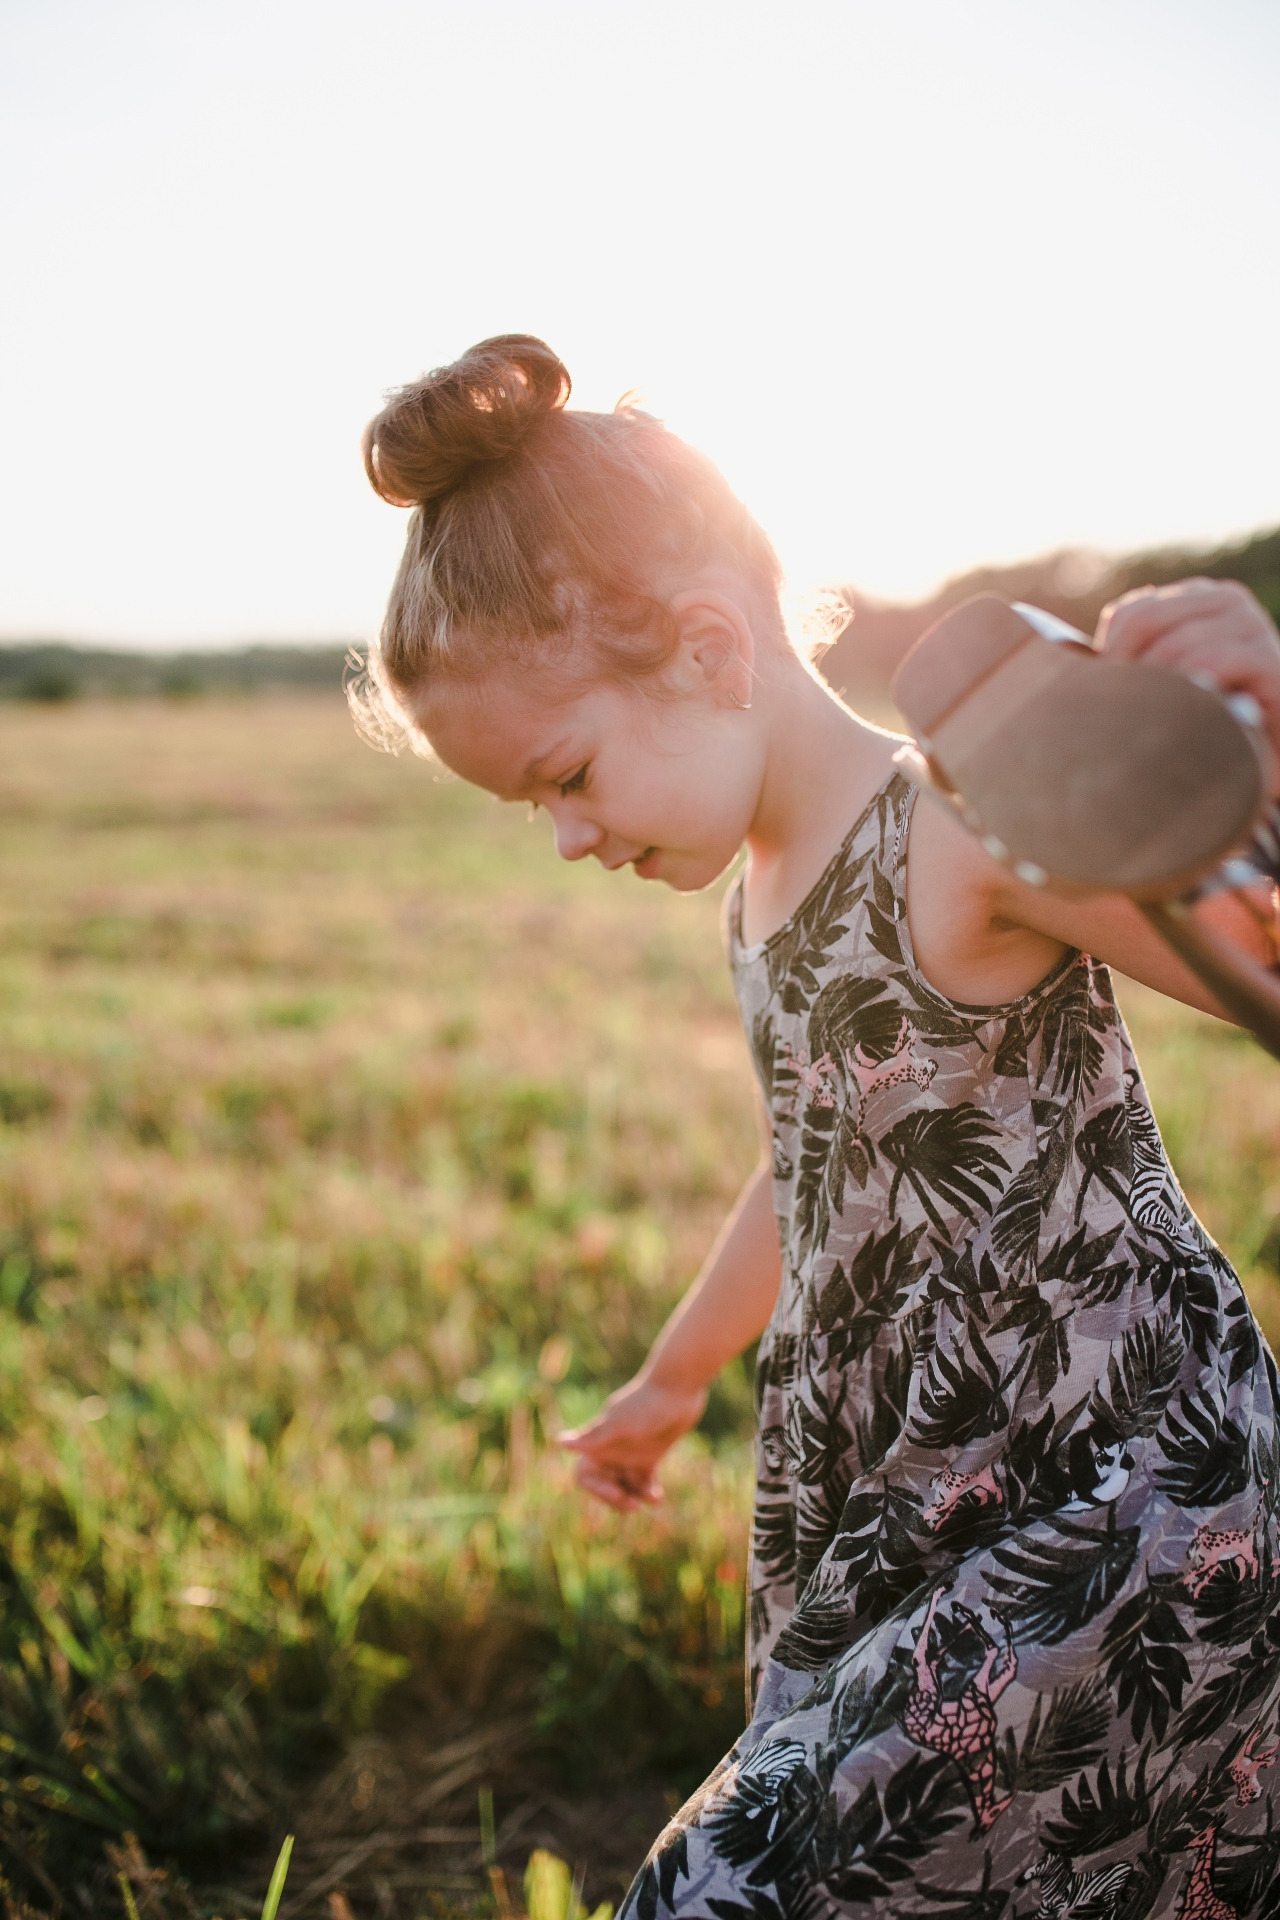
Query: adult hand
{"points": [[620, 1448], [1211, 630]]}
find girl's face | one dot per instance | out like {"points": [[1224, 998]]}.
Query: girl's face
{"points": [[667, 784]]}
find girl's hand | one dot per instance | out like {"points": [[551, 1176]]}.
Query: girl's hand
{"points": [[1209, 629], [620, 1448]]}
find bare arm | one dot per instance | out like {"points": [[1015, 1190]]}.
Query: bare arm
{"points": [[984, 936], [729, 1304], [725, 1309], [1215, 631], [1212, 630]]}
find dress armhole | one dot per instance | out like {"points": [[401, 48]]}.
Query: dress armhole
{"points": [[731, 920]]}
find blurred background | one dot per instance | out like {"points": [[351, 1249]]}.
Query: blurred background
{"points": [[348, 1146]]}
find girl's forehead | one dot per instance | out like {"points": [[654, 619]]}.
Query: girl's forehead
{"points": [[508, 729]]}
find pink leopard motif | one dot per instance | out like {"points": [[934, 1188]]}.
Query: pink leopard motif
{"points": [[1215, 1547], [1246, 1767], [874, 1076], [950, 1488]]}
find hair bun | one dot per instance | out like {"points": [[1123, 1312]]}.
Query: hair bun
{"points": [[431, 434]]}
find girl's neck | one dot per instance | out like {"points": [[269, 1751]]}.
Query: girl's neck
{"points": [[822, 766]]}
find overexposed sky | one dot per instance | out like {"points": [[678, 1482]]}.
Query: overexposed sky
{"points": [[935, 281]]}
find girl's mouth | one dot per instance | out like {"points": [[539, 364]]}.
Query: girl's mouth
{"points": [[646, 863]]}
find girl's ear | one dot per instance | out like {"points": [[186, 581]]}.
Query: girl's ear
{"points": [[716, 652]]}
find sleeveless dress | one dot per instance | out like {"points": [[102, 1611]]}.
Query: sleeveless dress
{"points": [[1014, 1611]]}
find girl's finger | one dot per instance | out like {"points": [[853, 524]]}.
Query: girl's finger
{"points": [[607, 1489]]}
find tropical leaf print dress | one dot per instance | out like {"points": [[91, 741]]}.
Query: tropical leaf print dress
{"points": [[1014, 1634]]}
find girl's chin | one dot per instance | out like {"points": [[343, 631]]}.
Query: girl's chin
{"points": [[683, 873]]}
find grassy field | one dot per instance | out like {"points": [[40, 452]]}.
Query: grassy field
{"points": [[350, 1145]]}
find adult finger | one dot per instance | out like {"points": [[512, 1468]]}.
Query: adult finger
{"points": [[1205, 644], [1131, 624]]}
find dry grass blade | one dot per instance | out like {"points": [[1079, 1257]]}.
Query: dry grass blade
{"points": [[351, 1146]]}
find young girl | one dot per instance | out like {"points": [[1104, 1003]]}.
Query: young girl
{"points": [[1015, 1592]]}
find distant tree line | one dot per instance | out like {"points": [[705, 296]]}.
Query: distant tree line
{"points": [[52, 671], [1073, 584]]}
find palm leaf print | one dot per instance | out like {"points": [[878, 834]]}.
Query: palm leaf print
{"points": [[1228, 1696], [818, 1511], [1052, 1588], [823, 1440], [1069, 1023], [944, 1152], [877, 1545], [872, 1848], [1193, 1289], [983, 1902], [854, 1306], [821, 1626], [1241, 1342], [1036, 1477], [1208, 1455], [1055, 1125], [834, 1154], [1060, 1741], [850, 1012], [1045, 1343], [852, 1019], [1015, 1227], [963, 1281], [1010, 1057], [934, 1019], [1140, 1379], [775, 1363], [761, 1907], [1145, 1662], [1230, 1612], [1105, 1152], [959, 1401], [769, 1812], [658, 1878], [799, 953], [1251, 1881], [882, 917], [764, 1051], [1030, 1195], [773, 1539], [861, 1710], [876, 1430], [1106, 1810]]}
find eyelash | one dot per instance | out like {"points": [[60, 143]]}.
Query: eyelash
{"points": [[574, 784]]}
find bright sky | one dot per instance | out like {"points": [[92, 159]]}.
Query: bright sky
{"points": [[935, 281]]}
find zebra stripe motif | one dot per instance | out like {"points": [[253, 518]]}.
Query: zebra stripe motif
{"points": [[1015, 1589]]}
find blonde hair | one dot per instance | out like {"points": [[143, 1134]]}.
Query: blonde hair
{"points": [[536, 532]]}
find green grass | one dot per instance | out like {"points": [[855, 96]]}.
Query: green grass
{"points": [[350, 1145]]}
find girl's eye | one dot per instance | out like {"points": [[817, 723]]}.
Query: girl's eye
{"points": [[574, 784]]}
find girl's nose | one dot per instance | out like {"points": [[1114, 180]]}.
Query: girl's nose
{"points": [[575, 837]]}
